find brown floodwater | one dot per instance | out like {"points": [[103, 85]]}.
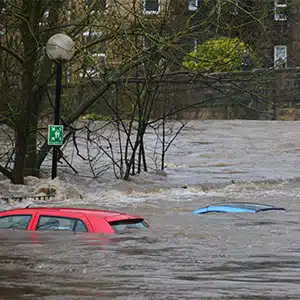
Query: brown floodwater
{"points": [[182, 256]]}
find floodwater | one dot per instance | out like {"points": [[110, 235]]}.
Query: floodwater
{"points": [[182, 256]]}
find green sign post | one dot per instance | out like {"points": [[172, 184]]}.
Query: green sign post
{"points": [[55, 135]]}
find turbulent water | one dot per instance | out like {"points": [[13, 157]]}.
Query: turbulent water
{"points": [[182, 256]]}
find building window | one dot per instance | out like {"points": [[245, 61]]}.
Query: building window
{"points": [[96, 5], [69, 16], [96, 41], [235, 8], [151, 6], [280, 56], [192, 5], [146, 44], [2, 5], [96, 56], [44, 21], [280, 10], [195, 44]]}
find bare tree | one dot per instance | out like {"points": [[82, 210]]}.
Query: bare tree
{"points": [[124, 53]]}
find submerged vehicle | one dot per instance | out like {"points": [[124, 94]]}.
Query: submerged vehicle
{"points": [[70, 219], [236, 207]]}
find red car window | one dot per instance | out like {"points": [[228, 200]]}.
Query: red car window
{"points": [[15, 221], [125, 225], [60, 223]]}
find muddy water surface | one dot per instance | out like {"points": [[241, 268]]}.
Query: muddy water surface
{"points": [[182, 256]]}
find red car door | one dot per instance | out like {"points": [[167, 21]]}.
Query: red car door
{"points": [[27, 224], [60, 221]]}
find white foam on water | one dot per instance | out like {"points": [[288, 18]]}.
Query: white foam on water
{"points": [[38, 191], [205, 155]]}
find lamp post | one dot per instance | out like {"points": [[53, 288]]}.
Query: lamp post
{"points": [[59, 48]]}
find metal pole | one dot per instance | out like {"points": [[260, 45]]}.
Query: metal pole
{"points": [[57, 115]]}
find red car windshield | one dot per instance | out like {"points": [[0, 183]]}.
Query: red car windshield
{"points": [[127, 225]]}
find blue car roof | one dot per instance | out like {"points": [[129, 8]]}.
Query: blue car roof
{"points": [[236, 207]]}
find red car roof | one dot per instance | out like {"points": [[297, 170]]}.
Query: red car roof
{"points": [[85, 211]]}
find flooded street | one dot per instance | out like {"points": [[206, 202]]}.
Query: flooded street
{"points": [[182, 256]]}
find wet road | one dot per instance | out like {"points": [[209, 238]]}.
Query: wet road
{"points": [[182, 256]]}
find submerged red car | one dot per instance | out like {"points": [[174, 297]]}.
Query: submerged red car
{"points": [[70, 219]]}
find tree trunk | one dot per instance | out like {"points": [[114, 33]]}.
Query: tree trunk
{"points": [[31, 167], [22, 129], [20, 147], [29, 29]]}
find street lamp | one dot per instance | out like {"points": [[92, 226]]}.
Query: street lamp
{"points": [[59, 48]]}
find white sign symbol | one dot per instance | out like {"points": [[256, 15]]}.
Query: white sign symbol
{"points": [[55, 134]]}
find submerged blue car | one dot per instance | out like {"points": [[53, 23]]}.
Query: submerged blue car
{"points": [[236, 207]]}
